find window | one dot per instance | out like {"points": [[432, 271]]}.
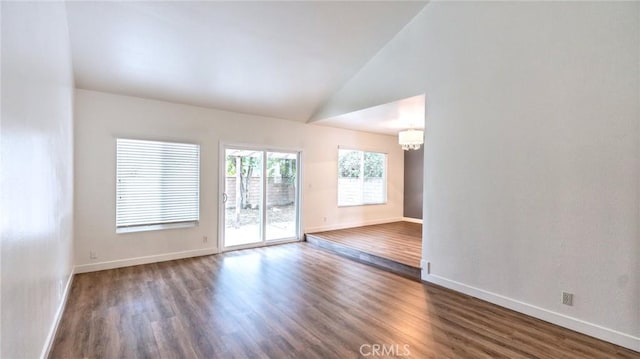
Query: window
{"points": [[157, 185], [362, 177]]}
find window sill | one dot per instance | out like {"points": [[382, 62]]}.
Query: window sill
{"points": [[155, 227], [362, 204]]}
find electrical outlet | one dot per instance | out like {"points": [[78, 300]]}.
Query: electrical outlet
{"points": [[205, 239], [93, 255], [426, 265], [567, 298]]}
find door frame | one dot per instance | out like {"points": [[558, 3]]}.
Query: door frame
{"points": [[222, 161]]}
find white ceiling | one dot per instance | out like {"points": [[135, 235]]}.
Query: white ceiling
{"points": [[277, 59], [387, 119]]}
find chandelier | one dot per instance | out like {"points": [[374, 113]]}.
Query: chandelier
{"points": [[411, 139]]}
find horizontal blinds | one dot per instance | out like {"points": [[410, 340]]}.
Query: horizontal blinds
{"points": [[157, 182]]}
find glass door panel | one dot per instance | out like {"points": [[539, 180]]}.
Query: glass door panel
{"points": [[281, 196], [243, 197]]}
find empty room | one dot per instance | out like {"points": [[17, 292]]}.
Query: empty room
{"points": [[320, 179]]}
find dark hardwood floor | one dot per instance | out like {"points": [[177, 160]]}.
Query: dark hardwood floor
{"points": [[399, 241], [396, 246], [295, 301]]}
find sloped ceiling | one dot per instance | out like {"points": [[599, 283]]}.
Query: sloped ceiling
{"points": [[276, 59], [387, 119]]}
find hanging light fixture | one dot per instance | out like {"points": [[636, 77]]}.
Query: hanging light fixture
{"points": [[411, 139]]}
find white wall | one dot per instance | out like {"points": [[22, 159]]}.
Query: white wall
{"points": [[101, 117], [532, 153], [36, 174]]}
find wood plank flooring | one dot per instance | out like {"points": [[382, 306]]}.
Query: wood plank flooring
{"points": [[400, 242], [364, 257], [295, 301]]}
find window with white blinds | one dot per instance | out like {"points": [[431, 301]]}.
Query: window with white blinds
{"points": [[157, 184]]}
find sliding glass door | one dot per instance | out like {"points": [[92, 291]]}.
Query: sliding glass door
{"points": [[242, 197], [260, 197], [281, 196]]}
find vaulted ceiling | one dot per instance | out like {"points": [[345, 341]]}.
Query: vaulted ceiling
{"points": [[277, 59], [387, 118]]}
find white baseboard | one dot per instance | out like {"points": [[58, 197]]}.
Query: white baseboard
{"points": [[581, 326], [412, 220], [48, 344], [351, 225], [93, 267]]}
